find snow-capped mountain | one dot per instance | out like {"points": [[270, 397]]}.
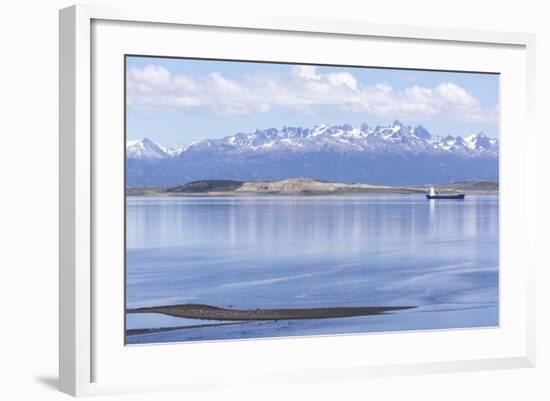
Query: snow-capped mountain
{"points": [[345, 138], [382, 154], [145, 149]]}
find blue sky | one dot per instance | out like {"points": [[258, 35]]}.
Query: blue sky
{"points": [[177, 101]]}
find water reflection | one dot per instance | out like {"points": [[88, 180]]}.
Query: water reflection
{"points": [[315, 251], [349, 221]]}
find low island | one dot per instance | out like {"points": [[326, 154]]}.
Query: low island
{"points": [[304, 186]]}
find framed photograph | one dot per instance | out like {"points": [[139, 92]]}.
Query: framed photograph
{"points": [[299, 200]]}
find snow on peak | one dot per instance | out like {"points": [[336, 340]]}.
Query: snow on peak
{"points": [[420, 132], [397, 123], [481, 141], [146, 149], [396, 138], [319, 129]]}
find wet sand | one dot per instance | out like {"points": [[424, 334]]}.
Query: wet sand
{"points": [[134, 332], [208, 312]]}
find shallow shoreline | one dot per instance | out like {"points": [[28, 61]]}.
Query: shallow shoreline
{"points": [[136, 332], [208, 312]]}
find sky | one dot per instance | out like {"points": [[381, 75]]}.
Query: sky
{"points": [[178, 101]]}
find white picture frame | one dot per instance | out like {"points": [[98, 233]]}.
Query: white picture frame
{"points": [[81, 209]]}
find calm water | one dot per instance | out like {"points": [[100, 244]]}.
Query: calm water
{"points": [[305, 252]]}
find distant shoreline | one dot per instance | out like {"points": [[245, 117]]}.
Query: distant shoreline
{"points": [[306, 187]]}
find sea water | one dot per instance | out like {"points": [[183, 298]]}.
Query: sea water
{"points": [[441, 256]]}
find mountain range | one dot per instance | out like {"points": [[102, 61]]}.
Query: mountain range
{"points": [[393, 155]]}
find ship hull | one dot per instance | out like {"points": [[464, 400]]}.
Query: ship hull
{"points": [[458, 196]]}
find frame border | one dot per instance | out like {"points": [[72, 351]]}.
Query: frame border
{"points": [[76, 210]]}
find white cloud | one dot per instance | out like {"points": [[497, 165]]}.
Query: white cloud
{"points": [[306, 71], [304, 89], [454, 94], [343, 78], [150, 76]]}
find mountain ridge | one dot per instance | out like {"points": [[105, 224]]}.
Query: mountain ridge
{"points": [[381, 154]]}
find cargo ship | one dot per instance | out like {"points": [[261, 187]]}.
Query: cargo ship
{"points": [[433, 194]]}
